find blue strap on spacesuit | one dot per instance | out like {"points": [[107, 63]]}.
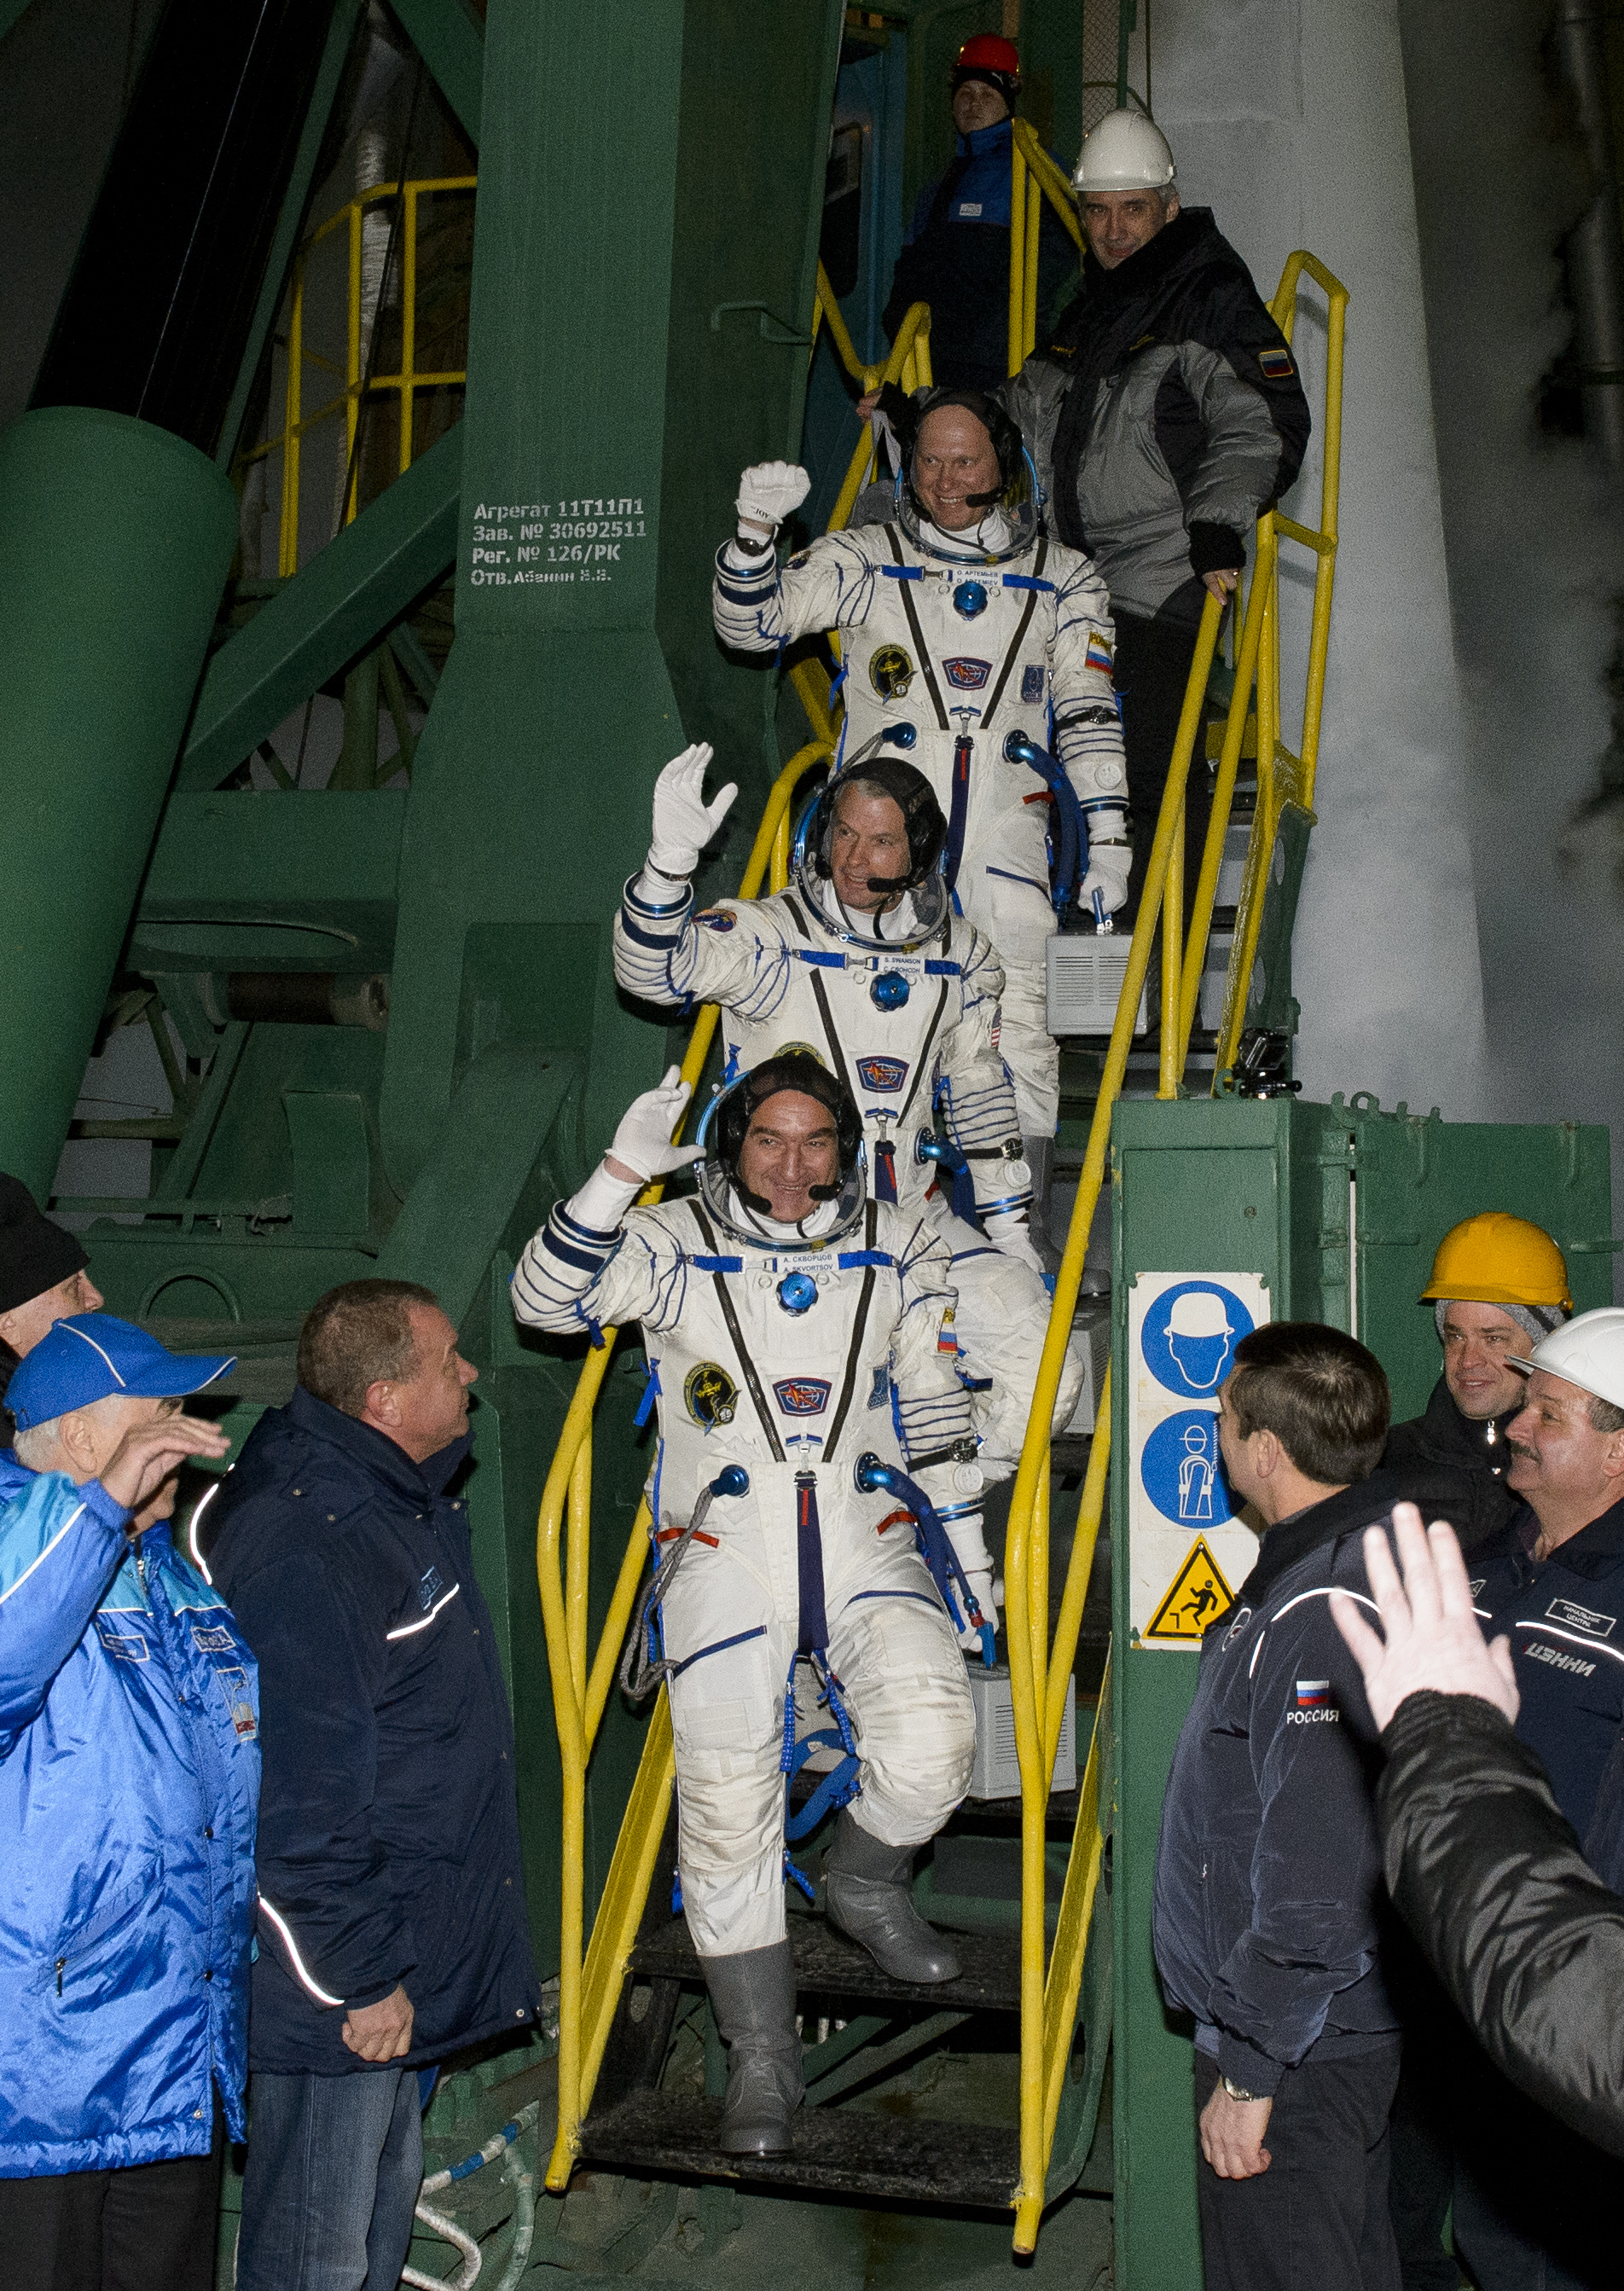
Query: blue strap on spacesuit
{"points": [[934, 1548], [841, 1786], [950, 1164]]}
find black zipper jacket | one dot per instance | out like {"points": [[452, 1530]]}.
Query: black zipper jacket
{"points": [[1268, 1896], [1163, 416], [1526, 1939], [1455, 1468]]}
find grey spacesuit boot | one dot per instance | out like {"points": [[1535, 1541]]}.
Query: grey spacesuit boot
{"points": [[867, 1897], [754, 1997]]}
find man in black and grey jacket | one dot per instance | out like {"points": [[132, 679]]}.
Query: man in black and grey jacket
{"points": [[1164, 417], [1269, 1905]]}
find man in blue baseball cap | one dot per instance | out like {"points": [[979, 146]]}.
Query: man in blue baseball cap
{"points": [[129, 1778]]}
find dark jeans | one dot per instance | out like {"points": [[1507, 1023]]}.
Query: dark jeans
{"points": [[1421, 2174], [1152, 667], [1317, 2219], [334, 2163], [150, 2227]]}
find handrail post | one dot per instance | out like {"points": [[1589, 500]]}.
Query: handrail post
{"points": [[1029, 310], [1172, 947], [1017, 253]]}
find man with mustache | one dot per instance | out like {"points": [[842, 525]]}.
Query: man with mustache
{"points": [[1529, 2196]]}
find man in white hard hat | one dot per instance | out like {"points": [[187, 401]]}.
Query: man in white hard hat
{"points": [[1163, 416], [1525, 2213]]}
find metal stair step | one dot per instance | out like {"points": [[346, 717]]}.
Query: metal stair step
{"points": [[828, 1964], [838, 2151]]}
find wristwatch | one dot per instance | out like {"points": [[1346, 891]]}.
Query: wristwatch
{"points": [[1237, 2091]]}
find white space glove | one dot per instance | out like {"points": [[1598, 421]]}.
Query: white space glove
{"points": [[770, 492], [683, 822], [1110, 861], [643, 1141]]}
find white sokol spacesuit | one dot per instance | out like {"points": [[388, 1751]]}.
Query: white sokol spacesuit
{"points": [[904, 1005], [955, 645], [783, 1355]]}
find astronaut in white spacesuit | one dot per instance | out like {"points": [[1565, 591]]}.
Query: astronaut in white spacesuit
{"points": [[795, 1335], [973, 643], [864, 960]]}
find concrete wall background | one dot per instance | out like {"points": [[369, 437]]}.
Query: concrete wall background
{"points": [[1536, 560], [1287, 116]]}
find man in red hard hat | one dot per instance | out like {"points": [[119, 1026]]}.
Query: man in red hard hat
{"points": [[955, 255]]}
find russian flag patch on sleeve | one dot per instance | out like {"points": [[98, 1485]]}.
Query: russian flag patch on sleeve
{"points": [[1275, 365], [1098, 652]]}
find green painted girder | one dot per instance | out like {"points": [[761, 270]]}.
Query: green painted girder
{"points": [[452, 45], [341, 601]]}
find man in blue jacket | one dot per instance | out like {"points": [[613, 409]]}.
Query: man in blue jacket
{"points": [[392, 1926], [1268, 1892], [129, 1768], [956, 255]]}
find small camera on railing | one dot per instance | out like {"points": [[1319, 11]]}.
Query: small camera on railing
{"points": [[1262, 1066]]}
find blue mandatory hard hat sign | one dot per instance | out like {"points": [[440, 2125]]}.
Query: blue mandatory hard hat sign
{"points": [[1181, 1471], [1189, 1338]]}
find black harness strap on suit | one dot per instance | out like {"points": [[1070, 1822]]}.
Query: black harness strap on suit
{"points": [[1020, 636], [747, 1366], [871, 1222], [927, 666]]}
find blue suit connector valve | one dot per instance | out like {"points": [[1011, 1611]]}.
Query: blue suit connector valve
{"points": [[934, 1547], [1069, 838]]}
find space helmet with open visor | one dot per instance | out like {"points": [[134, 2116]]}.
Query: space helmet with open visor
{"points": [[1018, 494], [727, 1118], [811, 860]]}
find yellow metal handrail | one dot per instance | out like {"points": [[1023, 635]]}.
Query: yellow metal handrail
{"points": [[587, 1989], [297, 425], [1038, 1671]]}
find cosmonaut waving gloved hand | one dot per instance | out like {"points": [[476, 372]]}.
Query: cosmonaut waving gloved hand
{"points": [[795, 1333]]}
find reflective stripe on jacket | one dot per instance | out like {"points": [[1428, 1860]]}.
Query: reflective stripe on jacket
{"points": [[129, 1773]]}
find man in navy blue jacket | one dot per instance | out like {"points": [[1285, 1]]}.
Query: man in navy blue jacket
{"points": [[392, 1926], [129, 1765], [1268, 1891], [1534, 2204], [956, 255]]}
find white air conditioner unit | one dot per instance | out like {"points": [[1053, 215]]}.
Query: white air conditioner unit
{"points": [[1086, 970], [997, 1770]]}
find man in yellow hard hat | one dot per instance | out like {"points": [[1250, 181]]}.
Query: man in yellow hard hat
{"points": [[1498, 1287]]}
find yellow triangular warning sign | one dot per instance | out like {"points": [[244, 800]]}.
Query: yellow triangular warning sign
{"points": [[1197, 1596]]}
